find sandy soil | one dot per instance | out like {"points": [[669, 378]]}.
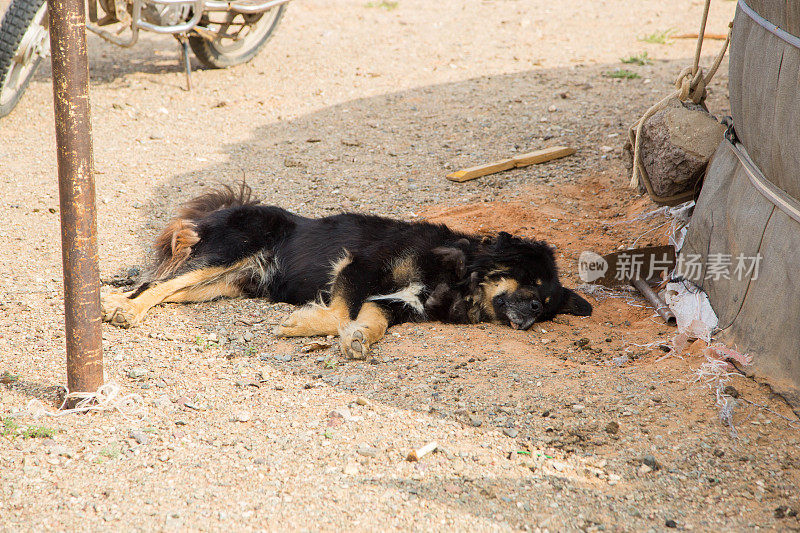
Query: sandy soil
{"points": [[578, 424]]}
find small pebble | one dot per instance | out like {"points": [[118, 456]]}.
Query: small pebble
{"points": [[139, 436], [162, 402], [730, 390], [649, 460], [367, 451], [137, 372], [342, 412], [58, 449]]}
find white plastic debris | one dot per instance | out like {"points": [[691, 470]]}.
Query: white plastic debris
{"points": [[693, 313]]}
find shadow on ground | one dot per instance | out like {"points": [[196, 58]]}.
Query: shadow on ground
{"points": [[388, 154], [112, 64]]}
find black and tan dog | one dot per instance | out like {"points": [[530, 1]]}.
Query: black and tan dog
{"points": [[356, 274]]}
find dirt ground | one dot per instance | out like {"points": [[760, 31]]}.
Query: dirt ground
{"points": [[579, 424]]}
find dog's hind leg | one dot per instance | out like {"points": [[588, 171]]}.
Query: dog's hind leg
{"points": [[315, 319], [198, 285], [356, 337]]}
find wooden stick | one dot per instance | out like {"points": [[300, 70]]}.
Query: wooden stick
{"points": [[532, 158], [715, 36], [418, 454]]}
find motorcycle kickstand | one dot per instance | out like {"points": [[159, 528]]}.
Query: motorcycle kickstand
{"points": [[184, 60]]}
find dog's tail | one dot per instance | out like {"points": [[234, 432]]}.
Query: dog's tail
{"points": [[174, 245]]}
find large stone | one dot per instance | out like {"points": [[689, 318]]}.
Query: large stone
{"points": [[677, 144]]}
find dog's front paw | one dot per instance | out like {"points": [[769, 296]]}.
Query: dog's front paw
{"points": [[309, 321], [120, 310], [353, 342], [294, 325]]}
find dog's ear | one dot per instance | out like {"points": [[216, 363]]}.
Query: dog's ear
{"points": [[503, 237], [573, 304], [452, 259]]}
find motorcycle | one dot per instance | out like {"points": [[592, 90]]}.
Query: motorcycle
{"points": [[222, 33]]}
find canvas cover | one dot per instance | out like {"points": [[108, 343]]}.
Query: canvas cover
{"points": [[734, 217]]}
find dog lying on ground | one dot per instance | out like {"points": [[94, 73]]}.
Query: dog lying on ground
{"points": [[355, 275]]}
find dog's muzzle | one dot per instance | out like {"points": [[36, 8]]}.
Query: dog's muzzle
{"points": [[522, 315]]}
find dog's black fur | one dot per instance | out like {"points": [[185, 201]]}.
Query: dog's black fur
{"points": [[410, 270]]}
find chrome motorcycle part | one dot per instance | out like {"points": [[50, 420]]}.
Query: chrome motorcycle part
{"points": [[182, 26], [195, 7], [246, 7], [165, 14]]}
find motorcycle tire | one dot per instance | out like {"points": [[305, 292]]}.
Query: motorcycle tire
{"points": [[15, 77], [214, 54]]}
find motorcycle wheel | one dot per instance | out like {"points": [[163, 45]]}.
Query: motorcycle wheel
{"points": [[238, 37], [24, 41]]}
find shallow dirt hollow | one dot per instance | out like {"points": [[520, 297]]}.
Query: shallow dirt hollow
{"points": [[578, 424]]}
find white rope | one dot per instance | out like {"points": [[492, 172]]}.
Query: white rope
{"points": [[108, 397], [677, 211], [641, 216], [715, 372], [600, 293]]}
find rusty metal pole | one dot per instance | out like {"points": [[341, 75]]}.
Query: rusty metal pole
{"points": [[76, 195]]}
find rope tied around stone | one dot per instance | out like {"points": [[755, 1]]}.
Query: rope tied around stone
{"points": [[690, 85]]}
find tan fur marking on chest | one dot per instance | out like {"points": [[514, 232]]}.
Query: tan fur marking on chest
{"points": [[404, 270]]}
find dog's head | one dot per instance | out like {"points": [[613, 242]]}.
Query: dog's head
{"points": [[520, 284]]}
